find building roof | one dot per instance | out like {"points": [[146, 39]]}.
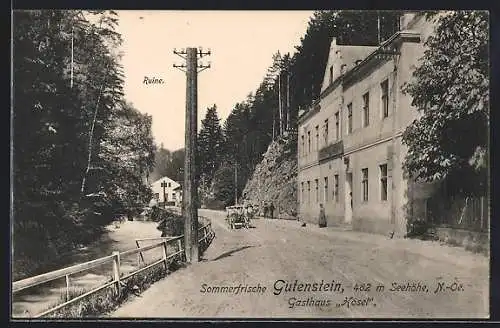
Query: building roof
{"points": [[349, 60], [351, 54], [162, 179], [341, 59]]}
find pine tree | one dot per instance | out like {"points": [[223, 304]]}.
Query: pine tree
{"points": [[210, 145]]}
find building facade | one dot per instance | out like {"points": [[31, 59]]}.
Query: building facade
{"points": [[164, 191], [350, 152]]}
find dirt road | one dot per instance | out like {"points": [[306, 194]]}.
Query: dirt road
{"points": [[395, 278]]}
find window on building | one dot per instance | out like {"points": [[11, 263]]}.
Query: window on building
{"points": [[173, 196], [337, 126], [336, 188], [349, 118], [317, 137], [309, 141], [302, 145], [308, 192], [169, 184], [157, 195], [364, 184], [316, 183], [383, 182], [326, 132], [326, 190], [385, 98], [366, 109], [331, 74]]}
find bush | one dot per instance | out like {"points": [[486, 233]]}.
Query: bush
{"points": [[171, 224], [421, 229]]}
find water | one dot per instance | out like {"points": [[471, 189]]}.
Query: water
{"points": [[119, 237]]}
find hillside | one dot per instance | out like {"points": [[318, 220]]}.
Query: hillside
{"points": [[275, 177]]}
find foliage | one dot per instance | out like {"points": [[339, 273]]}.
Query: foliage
{"points": [[450, 138], [80, 152], [168, 164], [421, 229], [210, 145]]}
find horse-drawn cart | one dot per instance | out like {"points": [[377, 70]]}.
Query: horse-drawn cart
{"points": [[236, 217]]}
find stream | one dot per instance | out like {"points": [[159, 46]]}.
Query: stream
{"points": [[119, 237]]}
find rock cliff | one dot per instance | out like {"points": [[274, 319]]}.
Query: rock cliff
{"points": [[275, 178]]}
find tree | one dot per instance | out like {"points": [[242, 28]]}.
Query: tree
{"points": [[126, 154], [210, 145], [163, 158], [72, 130], [450, 89]]}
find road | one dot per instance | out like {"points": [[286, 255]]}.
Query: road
{"points": [[276, 252]]}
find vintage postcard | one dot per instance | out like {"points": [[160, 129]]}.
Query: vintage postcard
{"points": [[250, 164]]}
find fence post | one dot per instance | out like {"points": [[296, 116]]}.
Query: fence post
{"points": [[179, 244], [116, 271], [482, 212], [67, 288], [165, 257], [140, 254]]}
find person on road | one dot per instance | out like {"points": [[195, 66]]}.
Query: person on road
{"points": [[271, 209], [249, 215], [265, 210], [322, 216]]}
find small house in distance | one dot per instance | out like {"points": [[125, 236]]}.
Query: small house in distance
{"points": [[164, 191]]}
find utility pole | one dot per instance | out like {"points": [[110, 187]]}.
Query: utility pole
{"points": [[280, 104], [190, 194], [164, 185], [288, 123], [72, 55], [378, 27], [235, 183]]}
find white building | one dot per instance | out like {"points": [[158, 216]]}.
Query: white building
{"points": [[164, 191], [350, 152]]}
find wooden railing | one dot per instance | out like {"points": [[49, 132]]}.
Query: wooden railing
{"points": [[117, 276]]}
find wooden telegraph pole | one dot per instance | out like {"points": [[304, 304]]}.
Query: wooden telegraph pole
{"points": [[189, 199], [164, 185]]}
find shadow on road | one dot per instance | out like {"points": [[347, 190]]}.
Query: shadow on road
{"points": [[229, 253]]}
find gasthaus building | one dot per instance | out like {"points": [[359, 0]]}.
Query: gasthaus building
{"points": [[350, 152]]}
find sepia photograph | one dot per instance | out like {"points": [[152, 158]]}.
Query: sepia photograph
{"points": [[210, 164]]}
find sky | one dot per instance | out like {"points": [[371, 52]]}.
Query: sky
{"points": [[241, 43]]}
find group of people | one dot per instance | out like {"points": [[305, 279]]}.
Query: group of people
{"points": [[268, 212], [268, 209]]}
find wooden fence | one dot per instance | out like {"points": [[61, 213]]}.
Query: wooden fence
{"points": [[469, 213], [117, 276]]}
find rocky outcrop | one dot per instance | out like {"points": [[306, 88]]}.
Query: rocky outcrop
{"points": [[275, 178]]}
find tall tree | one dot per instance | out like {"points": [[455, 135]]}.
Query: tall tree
{"points": [[450, 137], [70, 127], [210, 145]]}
